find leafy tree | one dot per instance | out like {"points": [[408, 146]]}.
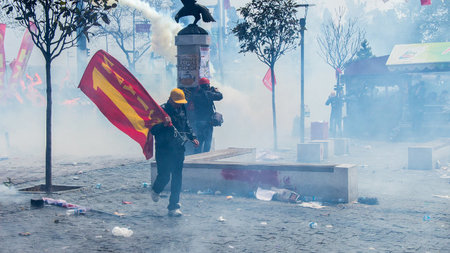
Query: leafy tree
{"points": [[433, 21], [415, 23], [121, 30], [365, 51], [268, 29], [5, 19], [57, 23]]}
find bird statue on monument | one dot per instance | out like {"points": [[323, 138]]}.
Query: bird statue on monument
{"points": [[191, 8]]}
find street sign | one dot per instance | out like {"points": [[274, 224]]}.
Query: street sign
{"points": [[143, 28]]}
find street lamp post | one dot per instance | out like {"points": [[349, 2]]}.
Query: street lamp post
{"points": [[302, 80], [302, 68]]}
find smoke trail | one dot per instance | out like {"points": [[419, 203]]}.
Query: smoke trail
{"points": [[164, 29], [9, 195]]}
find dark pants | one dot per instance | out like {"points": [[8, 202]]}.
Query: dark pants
{"points": [[204, 133], [169, 163], [336, 125]]}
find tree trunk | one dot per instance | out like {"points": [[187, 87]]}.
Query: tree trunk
{"points": [[339, 95], [274, 112], [48, 149], [133, 66]]}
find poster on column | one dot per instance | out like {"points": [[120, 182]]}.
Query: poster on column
{"points": [[204, 63], [188, 70]]}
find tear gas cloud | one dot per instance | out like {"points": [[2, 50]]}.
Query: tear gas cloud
{"points": [[164, 29], [10, 196], [247, 109]]}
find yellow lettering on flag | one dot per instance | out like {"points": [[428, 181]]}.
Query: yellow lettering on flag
{"points": [[143, 103], [157, 120], [22, 55], [130, 89], [107, 66], [99, 81], [107, 61]]}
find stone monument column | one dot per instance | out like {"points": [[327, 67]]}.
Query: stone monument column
{"points": [[192, 56]]}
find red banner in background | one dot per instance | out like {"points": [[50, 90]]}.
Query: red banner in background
{"points": [[425, 2], [122, 99], [2, 58], [19, 65], [267, 80]]}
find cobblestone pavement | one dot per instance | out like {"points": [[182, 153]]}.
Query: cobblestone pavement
{"points": [[412, 214]]}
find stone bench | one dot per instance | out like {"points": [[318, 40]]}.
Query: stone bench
{"points": [[333, 183]]}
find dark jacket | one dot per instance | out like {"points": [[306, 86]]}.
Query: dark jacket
{"points": [[203, 103], [336, 104], [169, 139]]}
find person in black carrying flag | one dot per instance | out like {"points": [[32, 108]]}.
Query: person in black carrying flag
{"points": [[170, 136]]}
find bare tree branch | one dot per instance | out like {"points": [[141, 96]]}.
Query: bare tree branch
{"points": [[340, 40]]}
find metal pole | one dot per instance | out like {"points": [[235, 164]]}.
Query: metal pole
{"points": [[302, 80], [81, 48], [134, 38], [221, 38]]}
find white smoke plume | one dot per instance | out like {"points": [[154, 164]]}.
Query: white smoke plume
{"points": [[164, 29], [9, 195]]}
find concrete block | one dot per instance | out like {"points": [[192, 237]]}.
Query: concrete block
{"points": [[420, 158], [319, 130], [327, 147], [325, 182], [340, 185], [309, 152], [332, 183], [341, 146]]}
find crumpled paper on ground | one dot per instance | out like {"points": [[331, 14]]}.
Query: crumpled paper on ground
{"points": [[265, 195], [125, 232], [315, 205], [277, 194]]}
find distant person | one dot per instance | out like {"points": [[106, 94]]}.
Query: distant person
{"points": [[202, 102], [336, 114], [170, 136]]}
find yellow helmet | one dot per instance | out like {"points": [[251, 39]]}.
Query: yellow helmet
{"points": [[177, 96]]}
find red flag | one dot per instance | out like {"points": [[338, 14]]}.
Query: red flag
{"points": [[2, 58], [267, 80], [226, 4], [20, 63], [122, 99], [425, 2]]}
